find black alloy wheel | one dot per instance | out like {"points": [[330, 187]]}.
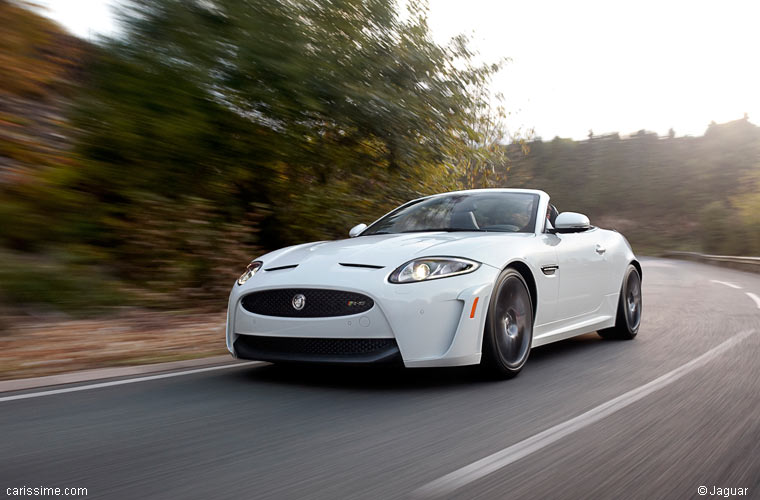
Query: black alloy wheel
{"points": [[509, 326]]}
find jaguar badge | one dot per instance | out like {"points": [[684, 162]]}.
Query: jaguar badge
{"points": [[299, 301]]}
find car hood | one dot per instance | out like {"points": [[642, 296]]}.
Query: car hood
{"points": [[394, 249]]}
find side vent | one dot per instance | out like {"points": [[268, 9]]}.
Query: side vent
{"points": [[549, 270]]}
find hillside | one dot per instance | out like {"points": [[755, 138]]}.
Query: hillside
{"points": [[41, 65], [662, 192]]}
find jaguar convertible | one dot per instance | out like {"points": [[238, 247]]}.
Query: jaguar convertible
{"points": [[461, 278]]}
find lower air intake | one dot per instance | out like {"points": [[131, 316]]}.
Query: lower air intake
{"points": [[316, 349]]}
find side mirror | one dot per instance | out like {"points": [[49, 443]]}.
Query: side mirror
{"points": [[571, 222], [356, 230]]}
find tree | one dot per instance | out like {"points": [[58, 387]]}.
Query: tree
{"points": [[482, 156], [275, 113]]}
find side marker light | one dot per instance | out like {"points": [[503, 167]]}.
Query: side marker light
{"points": [[474, 306]]}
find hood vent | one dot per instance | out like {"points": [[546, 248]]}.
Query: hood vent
{"points": [[281, 267], [366, 266]]}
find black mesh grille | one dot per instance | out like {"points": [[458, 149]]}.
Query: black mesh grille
{"points": [[317, 346], [318, 303]]}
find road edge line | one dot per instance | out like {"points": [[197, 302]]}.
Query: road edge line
{"points": [[452, 481], [755, 298], [134, 380]]}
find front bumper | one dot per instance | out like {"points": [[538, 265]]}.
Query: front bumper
{"points": [[431, 323]]}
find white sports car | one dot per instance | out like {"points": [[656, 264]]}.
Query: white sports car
{"points": [[459, 278]]}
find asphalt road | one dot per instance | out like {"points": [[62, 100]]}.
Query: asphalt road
{"points": [[275, 432]]}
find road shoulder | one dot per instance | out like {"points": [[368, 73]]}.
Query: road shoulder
{"points": [[108, 373]]}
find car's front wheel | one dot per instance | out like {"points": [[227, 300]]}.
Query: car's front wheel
{"points": [[509, 326], [629, 308]]}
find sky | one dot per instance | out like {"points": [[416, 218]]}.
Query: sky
{"points": [[607, 66], [84, 18]]}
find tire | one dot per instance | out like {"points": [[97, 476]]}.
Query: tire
{"points": [[629, 308], [509, 326]]}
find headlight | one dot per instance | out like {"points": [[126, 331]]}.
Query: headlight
{"points": [[432, 268], [250, 271]]}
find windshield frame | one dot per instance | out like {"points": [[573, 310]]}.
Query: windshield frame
{"points": [[540, 200]]}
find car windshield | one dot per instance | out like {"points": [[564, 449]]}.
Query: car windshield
{"points": [[490, 211]]}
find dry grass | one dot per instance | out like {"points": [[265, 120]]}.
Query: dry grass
{"points": [[32, 348]]}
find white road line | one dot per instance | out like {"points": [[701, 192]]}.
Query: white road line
{"points": [[450, 482], [125, 381], [726, 283], [755, 298]]}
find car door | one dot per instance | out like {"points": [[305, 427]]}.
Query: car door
{"points": [[583, 270]]}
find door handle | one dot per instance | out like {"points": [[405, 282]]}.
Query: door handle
{"points": [[600, 249]]}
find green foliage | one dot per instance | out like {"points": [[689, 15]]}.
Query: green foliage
{"points": [[715, 232], [208, 132], [42, 282], [686, 193], [290, 107]]}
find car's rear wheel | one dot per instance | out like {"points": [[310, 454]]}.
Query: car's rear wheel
{"points": [[509, 326], [629, 308]]}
